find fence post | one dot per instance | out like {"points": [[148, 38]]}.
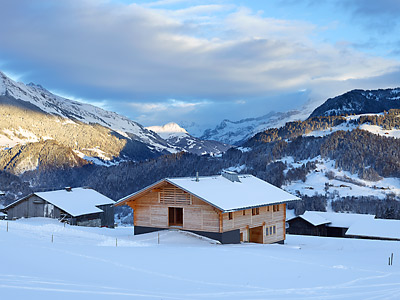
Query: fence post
{"points": [[116, 242]]}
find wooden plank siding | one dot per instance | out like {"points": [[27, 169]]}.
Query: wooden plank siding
{"points": [[266, 218], [33, 206], [151, 210]]}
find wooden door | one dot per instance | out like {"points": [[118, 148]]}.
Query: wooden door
{"points": [[256, 235], [175, 216]]}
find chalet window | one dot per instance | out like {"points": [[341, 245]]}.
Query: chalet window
{"points": [[272, 230], [174, 196], [266, 231], [276, 207], [267, 208], [255, 211], [175, 216], [230, 215], [244, 212]]}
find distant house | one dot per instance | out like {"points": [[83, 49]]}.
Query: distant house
{"points": [[379, 229], [324, 223], [228, 207], [78, 206]]}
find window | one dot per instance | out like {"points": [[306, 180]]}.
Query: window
{"points": [[255, 211], [271, 230], [276, 207], [230, 215], [267, 208], [244, 212]]}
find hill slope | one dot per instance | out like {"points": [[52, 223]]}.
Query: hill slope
{"points": [[360, 102]]}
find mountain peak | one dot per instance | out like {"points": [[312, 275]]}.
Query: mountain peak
{"points": [[168, 130]]}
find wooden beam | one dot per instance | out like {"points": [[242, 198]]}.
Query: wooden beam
{"points": [[220, 222], [284, 221]]}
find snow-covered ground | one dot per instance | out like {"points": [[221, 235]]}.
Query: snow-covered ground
{"points": [[85, 263]]}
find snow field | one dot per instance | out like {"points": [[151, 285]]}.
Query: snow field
{"points": [[84, 263]]}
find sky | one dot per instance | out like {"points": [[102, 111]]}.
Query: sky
{"points": [[204, 61]]}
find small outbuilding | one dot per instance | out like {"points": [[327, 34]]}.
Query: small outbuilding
{"points": [[229, 208], [78, 206], [320, 223]]}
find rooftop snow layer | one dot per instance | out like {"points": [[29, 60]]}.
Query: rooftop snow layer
{"points": [[342, 220], [229, 196], [314, 219], [377, 228], [77, 202]]}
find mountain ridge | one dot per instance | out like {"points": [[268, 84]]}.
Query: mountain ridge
{"points": [[360, 102], [178, 136]]}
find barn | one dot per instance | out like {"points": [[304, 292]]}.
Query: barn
{"points": [[78, 206], [321, 223], [228, 207]]}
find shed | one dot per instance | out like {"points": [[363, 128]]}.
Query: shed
{"points": [[308, 224], [320, 223], [78, 206], [228, 207], [381, 229]]}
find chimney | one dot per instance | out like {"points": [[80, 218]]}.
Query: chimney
{"points": [[68, 189], [232, 176], [197, 177]]}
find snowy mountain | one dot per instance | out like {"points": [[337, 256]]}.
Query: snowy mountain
{"points": [[35, 97], [179, 137], [360, 102], [237, 132]]}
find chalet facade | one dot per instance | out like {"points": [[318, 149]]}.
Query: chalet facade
{"points": [[78, 206], [228, 207]]}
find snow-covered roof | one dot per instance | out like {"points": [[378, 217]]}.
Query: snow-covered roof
{"points": [[314, 219], [333, 219], [227, 195], [376, 228], [76, 202]]}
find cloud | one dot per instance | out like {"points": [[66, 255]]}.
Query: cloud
{"points": [[145, 107], [380, 15], [138, 58]]}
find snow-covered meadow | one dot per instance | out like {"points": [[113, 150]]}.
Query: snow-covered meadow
{"points": [[100, 263]]}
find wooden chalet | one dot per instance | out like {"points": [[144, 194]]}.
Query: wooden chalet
{"points": [[78, 206], [228, 207]]}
